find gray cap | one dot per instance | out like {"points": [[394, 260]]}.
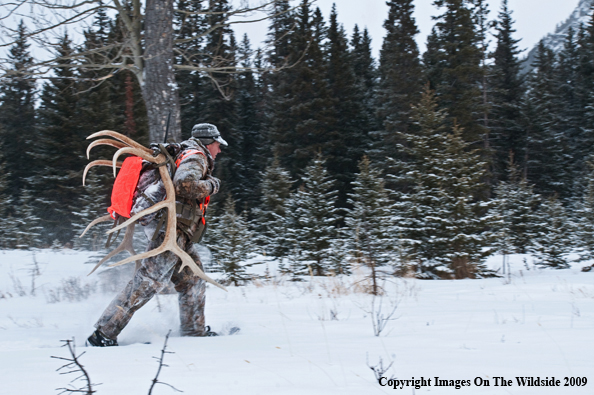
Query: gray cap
{"points": [[207, 133]]}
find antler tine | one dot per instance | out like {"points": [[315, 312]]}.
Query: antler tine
{"points": [[105, 218], [134, 151], [125, 245], [170, 242], [113, 143], [122, 138], [99, 162]]}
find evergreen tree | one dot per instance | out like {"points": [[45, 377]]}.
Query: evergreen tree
{"points": [[314, 217], [301, 111], [507, 90], [59, 131], [453, 62], [232, 243], [349, 124], [91, 205], [516, 206], [365, 69], [7, 222], [27, 227], [272, 215], [546, 154], [190, 26], [400, 76], [584, 219], [249, 125], [17, 117], [444, 225], [369, 224], [553, 240]]}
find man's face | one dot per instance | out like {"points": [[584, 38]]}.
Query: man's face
{"points": [[214, 149]]}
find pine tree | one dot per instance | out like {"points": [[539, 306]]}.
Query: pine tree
{"points": [[365, 70], [584, 218], [190, 26], [314, 217], [301, 111], [232, 243], [553, 240], [546, 154], [249, 126], [272, 215], [453, 60], [444, 225], [7, 222], [516, 206], [28, 230], [349, 124], [400, 76], [59, 131], [17, 117], [369, 224], [507, 90]]}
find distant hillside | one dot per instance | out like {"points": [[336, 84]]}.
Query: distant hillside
{"points": [[581, 15]]}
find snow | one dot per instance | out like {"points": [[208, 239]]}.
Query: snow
{"points": [[537, 323]]}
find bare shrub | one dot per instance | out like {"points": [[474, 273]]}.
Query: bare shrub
{"points": [[71, 290]]}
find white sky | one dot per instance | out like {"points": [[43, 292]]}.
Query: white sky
{"points": [[534, 18]]}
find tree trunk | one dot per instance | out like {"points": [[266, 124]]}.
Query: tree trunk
{"points": [[159, 88]]}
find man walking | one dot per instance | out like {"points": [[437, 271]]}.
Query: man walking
{"points": [[194, 184]]}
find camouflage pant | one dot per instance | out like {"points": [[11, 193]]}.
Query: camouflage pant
{"points": [[152, 276]]}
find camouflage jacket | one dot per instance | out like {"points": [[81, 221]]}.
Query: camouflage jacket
{"points": [[193, 181]]}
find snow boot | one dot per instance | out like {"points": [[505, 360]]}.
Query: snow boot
{"points": [[98, 339], [208, 332]]}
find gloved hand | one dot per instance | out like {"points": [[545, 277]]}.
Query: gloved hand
{"points": [[215, 184]]}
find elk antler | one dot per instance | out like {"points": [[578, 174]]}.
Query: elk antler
{"points": [[113, 143], [98, 163], [125, 245], [169, 243], [105, 218]]}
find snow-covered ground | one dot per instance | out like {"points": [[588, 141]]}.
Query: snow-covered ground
{"points": [[312, 337]]}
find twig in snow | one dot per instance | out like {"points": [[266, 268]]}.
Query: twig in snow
{"points": [[74, 366], [161, 364], [379, 369]]}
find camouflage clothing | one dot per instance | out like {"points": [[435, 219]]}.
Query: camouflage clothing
{"points": [[193, 181]]}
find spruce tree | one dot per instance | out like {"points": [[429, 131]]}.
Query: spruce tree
{"points": [[370, 223], [553, 240], [453, 62], [507, 89], [7, 222], [516, 207], [17, 117], [272, 215], [547, 148], [60, 132], [401, 77], [301, 111], [349, 124], [584, 218], [365, 69], [232, 243], [314, 217], [444, 225]]}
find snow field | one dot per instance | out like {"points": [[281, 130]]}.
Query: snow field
{"points": [[537, 323]]}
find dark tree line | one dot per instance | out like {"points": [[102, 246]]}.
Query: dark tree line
{"points": [[312, 115]]}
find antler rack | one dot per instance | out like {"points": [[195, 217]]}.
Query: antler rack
{"points": [[126, 145]]}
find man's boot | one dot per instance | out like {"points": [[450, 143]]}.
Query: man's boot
{"points": [[98, 339]]}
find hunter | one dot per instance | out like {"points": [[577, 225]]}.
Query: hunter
{"points": [[194, 184]]}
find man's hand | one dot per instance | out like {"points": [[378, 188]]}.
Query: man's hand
{"points": [[215, 184]]}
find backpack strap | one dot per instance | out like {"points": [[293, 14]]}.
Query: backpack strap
{"points": [[187, 153]]}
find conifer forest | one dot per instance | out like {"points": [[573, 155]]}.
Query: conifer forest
{"points": [[412, 164]]}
